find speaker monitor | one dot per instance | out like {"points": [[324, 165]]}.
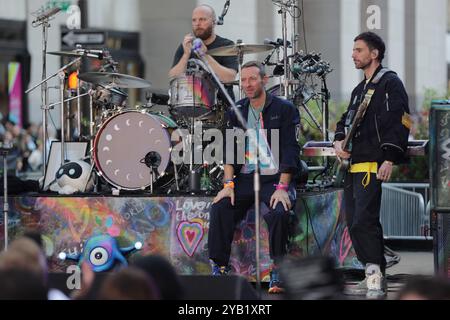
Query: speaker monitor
{"points": [[440, 155], [440, 223]]}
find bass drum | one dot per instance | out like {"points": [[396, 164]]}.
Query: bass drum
{"points": [[126, 141]]}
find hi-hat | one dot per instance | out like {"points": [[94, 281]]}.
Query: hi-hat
{"points": [[114, 80], [240, 48]]}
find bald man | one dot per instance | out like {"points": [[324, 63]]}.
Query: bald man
{"points": [[203, 23]]}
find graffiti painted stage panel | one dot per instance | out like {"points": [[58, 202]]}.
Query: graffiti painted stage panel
{"points": [[177, 227]]}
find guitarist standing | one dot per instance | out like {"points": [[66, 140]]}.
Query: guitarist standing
{"points": [[378, 141]]}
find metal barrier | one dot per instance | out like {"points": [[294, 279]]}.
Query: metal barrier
{"points": [[403, 211]]}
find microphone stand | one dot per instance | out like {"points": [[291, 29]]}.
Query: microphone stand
{"points": [[5, 148], [256, 180]]}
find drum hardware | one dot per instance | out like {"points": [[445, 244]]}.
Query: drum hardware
{"points": [[291, 7], [152, 160], [109, 98], [79, 53], [62, 76], [157, 96]]}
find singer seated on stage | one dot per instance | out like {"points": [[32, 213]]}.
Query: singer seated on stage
{"points": [[278, 159], [203, 23]]}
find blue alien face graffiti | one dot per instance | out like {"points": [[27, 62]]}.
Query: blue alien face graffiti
{"points": [[102, 253]]}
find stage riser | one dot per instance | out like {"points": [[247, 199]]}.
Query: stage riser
{"points": [[176, 227]]}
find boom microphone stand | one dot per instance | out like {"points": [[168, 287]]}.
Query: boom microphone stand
{"points": [[43, 20], [197, 49]]}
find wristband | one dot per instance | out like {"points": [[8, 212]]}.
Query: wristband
{"points": [[228, 184], [281, 186]]}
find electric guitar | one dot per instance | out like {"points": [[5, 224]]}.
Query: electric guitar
{"points": [[343, 165]]}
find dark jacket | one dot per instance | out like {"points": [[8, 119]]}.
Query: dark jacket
{"points": [[384, 130], [277, 114]]}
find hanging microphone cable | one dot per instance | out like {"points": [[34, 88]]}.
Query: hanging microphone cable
{"points": [[224, 12]]}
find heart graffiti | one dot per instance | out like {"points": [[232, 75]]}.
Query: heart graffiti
{"points": [[189, 235]]}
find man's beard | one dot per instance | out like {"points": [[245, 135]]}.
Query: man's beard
{"points": [[363, 66], [258, 93], [205, 34]]}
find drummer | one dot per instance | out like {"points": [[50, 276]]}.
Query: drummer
{"points": [[203, 23]]}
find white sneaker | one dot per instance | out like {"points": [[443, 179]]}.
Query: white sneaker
{"points": [[359, 289], [376, 287]]}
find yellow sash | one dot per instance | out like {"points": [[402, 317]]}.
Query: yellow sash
{"points": [[367, 167]]}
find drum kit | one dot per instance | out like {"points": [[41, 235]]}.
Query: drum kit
{"points": [[130, 148]]}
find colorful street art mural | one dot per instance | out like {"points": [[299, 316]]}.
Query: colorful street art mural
{"points": [[177, 227]]}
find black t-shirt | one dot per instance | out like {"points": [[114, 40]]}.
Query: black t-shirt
{"points": [[228, 62]]}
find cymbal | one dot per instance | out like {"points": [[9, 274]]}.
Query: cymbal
{"points": [[74, 54], [235, 49], [114, 80]]}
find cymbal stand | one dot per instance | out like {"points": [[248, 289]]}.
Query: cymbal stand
{"points": [[287, 7], [240, 57], [62, 81], [325, 107], [43, 83], [44, 90], [78, 106], [91, 121], [295, 35]]}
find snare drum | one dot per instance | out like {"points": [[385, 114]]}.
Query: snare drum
{"points": [[192, 94], [122, 144]]}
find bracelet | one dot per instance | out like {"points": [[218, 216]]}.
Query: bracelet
{"points": [[228, 184], [281, 186], [389, 162]]}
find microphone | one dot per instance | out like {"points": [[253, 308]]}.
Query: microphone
{"points": [[197, 45], [152, 159], [92, 53], [224, 12], [47, 14], [278, 43]]}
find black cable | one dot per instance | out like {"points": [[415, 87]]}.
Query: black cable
{"points": [[321, 172], [308, 217], [307, 228], [53, 122]]}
